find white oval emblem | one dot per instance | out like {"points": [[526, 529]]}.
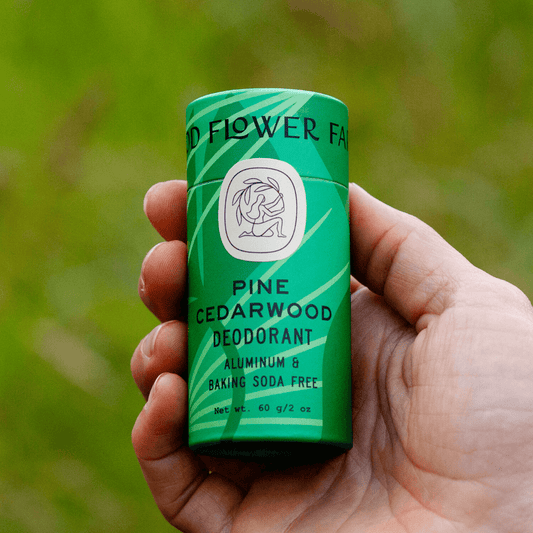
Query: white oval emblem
{"points": [[262, 210]]}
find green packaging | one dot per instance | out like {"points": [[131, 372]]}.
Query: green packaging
{"points": [[269, 274]]}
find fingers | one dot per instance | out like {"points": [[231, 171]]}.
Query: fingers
{"points": [[163, 280], [165, 205], [164, 349], [162, 284], [398, 256], [355, 285], [189, 497]]}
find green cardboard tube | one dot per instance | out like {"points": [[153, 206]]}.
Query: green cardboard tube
{"points": [[269, 275]]}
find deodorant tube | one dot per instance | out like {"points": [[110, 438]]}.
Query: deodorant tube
{"points": [[269, 274]]}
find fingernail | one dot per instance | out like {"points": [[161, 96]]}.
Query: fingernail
{"points": [[152, 250], [153, 392], [142, 284], [148, 343]]}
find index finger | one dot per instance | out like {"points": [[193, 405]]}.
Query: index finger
{"points": [[400, 257], [165, 205]]}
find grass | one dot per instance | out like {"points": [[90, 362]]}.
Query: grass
{"points": [[92, 105]]}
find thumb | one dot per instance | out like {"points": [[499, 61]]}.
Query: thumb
{"points": [[400, 257]]}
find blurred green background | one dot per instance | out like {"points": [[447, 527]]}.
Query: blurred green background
{"points": [[92, 104]]}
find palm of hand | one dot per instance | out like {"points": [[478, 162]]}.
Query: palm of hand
{"points": [[427, 438], [442, 409]]}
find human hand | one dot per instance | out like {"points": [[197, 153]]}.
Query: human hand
{"points": [[442, 359]]}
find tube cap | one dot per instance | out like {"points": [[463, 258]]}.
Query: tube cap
{"points": [[308, 130]]}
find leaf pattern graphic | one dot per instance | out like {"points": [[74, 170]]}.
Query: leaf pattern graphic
{"points": [[252, 181], [237, 196], [239, 216], [264, 187], [247, 195], [275, 184]]}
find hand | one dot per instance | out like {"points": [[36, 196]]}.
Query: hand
{"points": [[442, 385]]}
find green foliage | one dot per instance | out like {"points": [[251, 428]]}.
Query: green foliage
{"points": [[92, 106]]}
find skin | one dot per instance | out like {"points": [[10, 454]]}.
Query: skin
{"points": [[442, 396]]}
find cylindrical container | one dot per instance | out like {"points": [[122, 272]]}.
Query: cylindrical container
{"points": [[269, 274]]}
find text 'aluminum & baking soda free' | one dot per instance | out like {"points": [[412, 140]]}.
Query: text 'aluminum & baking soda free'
{"points": [[269, 274]]}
